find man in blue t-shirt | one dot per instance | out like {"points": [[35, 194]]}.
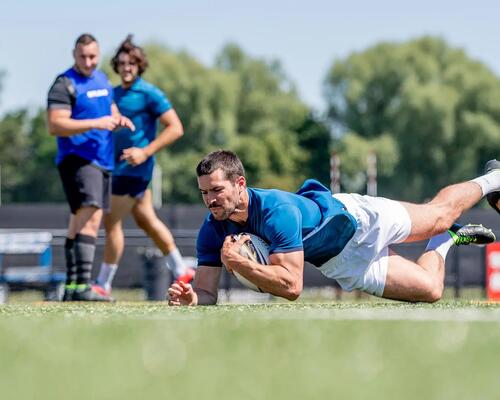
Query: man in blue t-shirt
{"points": [[145, 105], [82, 115], [346, 236]]}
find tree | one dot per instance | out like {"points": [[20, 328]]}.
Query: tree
{"points": [[27, 154], [430, 112], [244, 104], [13, 151], [41, 181]]}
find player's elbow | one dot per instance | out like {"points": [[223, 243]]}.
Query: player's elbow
{"points": [[294, 290], [54, 128], [179, 131]]}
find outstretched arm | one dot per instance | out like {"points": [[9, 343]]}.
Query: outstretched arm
{"points": [[283, 276], [204, 292]]}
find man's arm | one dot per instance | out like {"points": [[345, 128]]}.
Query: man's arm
{"points": [[283, 277], [61, 124], [173, 130], [206, 284]]}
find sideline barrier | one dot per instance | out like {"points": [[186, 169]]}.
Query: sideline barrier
{"points": [[493, 271], [38, 273]]}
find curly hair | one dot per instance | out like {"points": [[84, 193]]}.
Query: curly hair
{"points": [[135, 52]]}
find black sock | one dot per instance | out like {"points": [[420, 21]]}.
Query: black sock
{"points": [[69, 253], [84, 257]]}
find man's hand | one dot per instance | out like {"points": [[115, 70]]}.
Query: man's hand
{"points": [[110, 123], [124, 122], [134, 155], [230, 252], [182, 294]]}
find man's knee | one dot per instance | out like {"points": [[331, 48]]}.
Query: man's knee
{"points": [[433, 293], [112, 224]]}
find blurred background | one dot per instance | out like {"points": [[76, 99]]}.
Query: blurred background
{"points": [[406, 97]]}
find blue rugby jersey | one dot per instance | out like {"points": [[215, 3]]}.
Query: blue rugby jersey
{"points": [[143, 103], [310, 220], [87, 98]]}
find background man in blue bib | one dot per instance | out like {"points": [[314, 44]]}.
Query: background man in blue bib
{"points": [[82, 115], [145, 105], [346, 236]]}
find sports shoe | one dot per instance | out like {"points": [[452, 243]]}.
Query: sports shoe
{"points": [[187, 277], [471, 234], [88, 293], [493, 197], [69, 290], [101, 290], [68, 294]]}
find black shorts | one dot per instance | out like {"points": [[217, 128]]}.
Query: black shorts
{"points": [[84, 184], [133, 186]]}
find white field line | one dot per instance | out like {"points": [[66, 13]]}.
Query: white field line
{"points": [[418, 315], [431, 315]]}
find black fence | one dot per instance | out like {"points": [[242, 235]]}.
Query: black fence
{"points": [[465, 265]]}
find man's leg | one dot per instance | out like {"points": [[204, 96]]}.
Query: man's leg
{"points": [[442, 211], [115, 242], [493, 197], [448, 205], [69, 254], [146, 219], [84, 226], [415, 281], [424, 280]]}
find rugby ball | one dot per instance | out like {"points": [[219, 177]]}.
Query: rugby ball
{"points": [[255, 249]]}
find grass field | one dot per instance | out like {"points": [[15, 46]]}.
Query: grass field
{"points": [[348, 350]]}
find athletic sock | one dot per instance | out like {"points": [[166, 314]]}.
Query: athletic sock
{"points": [[489, 182], [69, 254], [84, 257], [106, 275], [440, 243], [174, 263]]}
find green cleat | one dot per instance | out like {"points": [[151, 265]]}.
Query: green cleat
{"points": [[471, 234], [88, 293], [69, 290]]}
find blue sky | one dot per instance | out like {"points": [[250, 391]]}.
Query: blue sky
{"points": [[36, 37]]}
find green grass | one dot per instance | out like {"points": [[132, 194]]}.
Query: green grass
{"points": [[347, 350]]}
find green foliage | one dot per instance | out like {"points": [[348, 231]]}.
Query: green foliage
{"points": [[431, 113], [243, 104], [27, 154], [14, 141], [41, 182]]}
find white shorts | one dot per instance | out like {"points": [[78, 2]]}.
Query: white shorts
{"points": [[363, 262]]}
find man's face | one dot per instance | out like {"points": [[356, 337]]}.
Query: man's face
{"points": [[127, 68], [221, 195], [86, 58]]}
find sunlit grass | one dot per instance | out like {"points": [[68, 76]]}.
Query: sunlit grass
{"points": [[349, 349]]}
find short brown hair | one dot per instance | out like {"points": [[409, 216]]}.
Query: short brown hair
{"points": [[226, 160], [85, 39], [135, 52]]}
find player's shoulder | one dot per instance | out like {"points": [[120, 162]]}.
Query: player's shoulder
{"points": [[62, 77], [270, 199], [147, 87]]}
